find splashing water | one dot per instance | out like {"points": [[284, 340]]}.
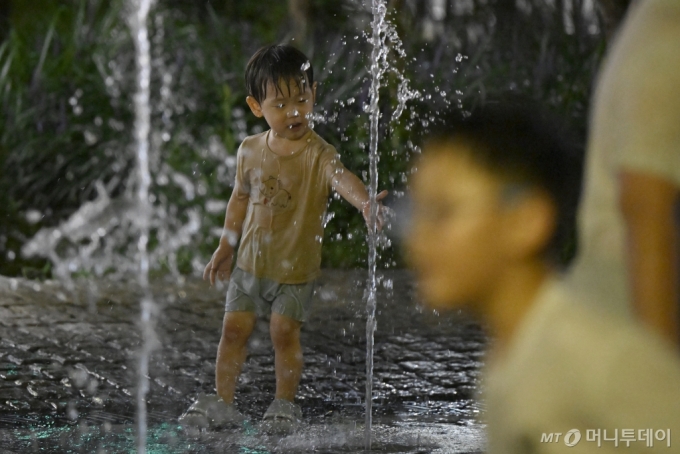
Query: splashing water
{"points": [[384, 38], [377, 56], [101, 230], [140, 34]]}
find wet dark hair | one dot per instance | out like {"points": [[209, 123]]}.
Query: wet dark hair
{"points": [[274, 63], [521, 143]]}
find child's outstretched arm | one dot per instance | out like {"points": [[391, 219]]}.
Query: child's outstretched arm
{"points": [[352, 189], [220, 264]]}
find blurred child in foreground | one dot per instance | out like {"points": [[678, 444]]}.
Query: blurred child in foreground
{"points": [[629, 259], [493, 195]]}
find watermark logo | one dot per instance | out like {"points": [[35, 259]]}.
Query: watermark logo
{"points": [[552, 437], [616, 436], [570, 438]]}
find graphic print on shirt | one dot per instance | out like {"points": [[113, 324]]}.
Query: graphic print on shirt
{"points": [[274, 195]]}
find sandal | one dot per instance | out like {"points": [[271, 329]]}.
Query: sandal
{"points": [[282, 417], [210, 411]]}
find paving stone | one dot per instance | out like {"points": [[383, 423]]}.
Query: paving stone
{"points": [[70, 356]]}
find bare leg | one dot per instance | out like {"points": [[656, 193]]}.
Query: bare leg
{"points": [[285, 334], [231, 353]]}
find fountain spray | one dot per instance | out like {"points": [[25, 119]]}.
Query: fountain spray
{"points": [[139, 11], [377, 56]]}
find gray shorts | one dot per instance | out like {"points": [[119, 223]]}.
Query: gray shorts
{"points": [[261, 295]]}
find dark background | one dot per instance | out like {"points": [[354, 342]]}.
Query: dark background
{"points": [[66, 86]]}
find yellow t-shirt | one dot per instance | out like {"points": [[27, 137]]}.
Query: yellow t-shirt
{"points": [[288, 196], [571, 366], [635, 125]]}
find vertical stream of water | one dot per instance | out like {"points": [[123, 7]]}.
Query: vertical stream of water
{"points": [[377, 55], [139, 11]]}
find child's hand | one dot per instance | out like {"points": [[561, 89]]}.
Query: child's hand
{"points": [[366, 210], [220, 264]]}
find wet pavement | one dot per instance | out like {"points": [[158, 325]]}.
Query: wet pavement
{"points": [[68, 362]]}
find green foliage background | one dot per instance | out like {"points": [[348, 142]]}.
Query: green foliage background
{"points": [[66, 75]]}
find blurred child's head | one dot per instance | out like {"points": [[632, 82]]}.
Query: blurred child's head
{"points": [[281, 88], [493, 193]]}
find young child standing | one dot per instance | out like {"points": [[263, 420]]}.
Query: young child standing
{"points": [[283, 179], [492, 197]]}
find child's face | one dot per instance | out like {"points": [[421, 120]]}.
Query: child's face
{"points": [[459, 242], [286, 109]]}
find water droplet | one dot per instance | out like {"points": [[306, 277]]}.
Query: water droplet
{"points": [[34, 216], [72, 413], [90, 137]]}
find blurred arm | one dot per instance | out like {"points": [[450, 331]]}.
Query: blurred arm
{"points": [[648, 205]]}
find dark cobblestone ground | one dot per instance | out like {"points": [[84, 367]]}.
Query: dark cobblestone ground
{"points": [[67, 370]]}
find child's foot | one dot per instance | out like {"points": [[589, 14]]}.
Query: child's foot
{"points": [[209, 411], [282, 417]]}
